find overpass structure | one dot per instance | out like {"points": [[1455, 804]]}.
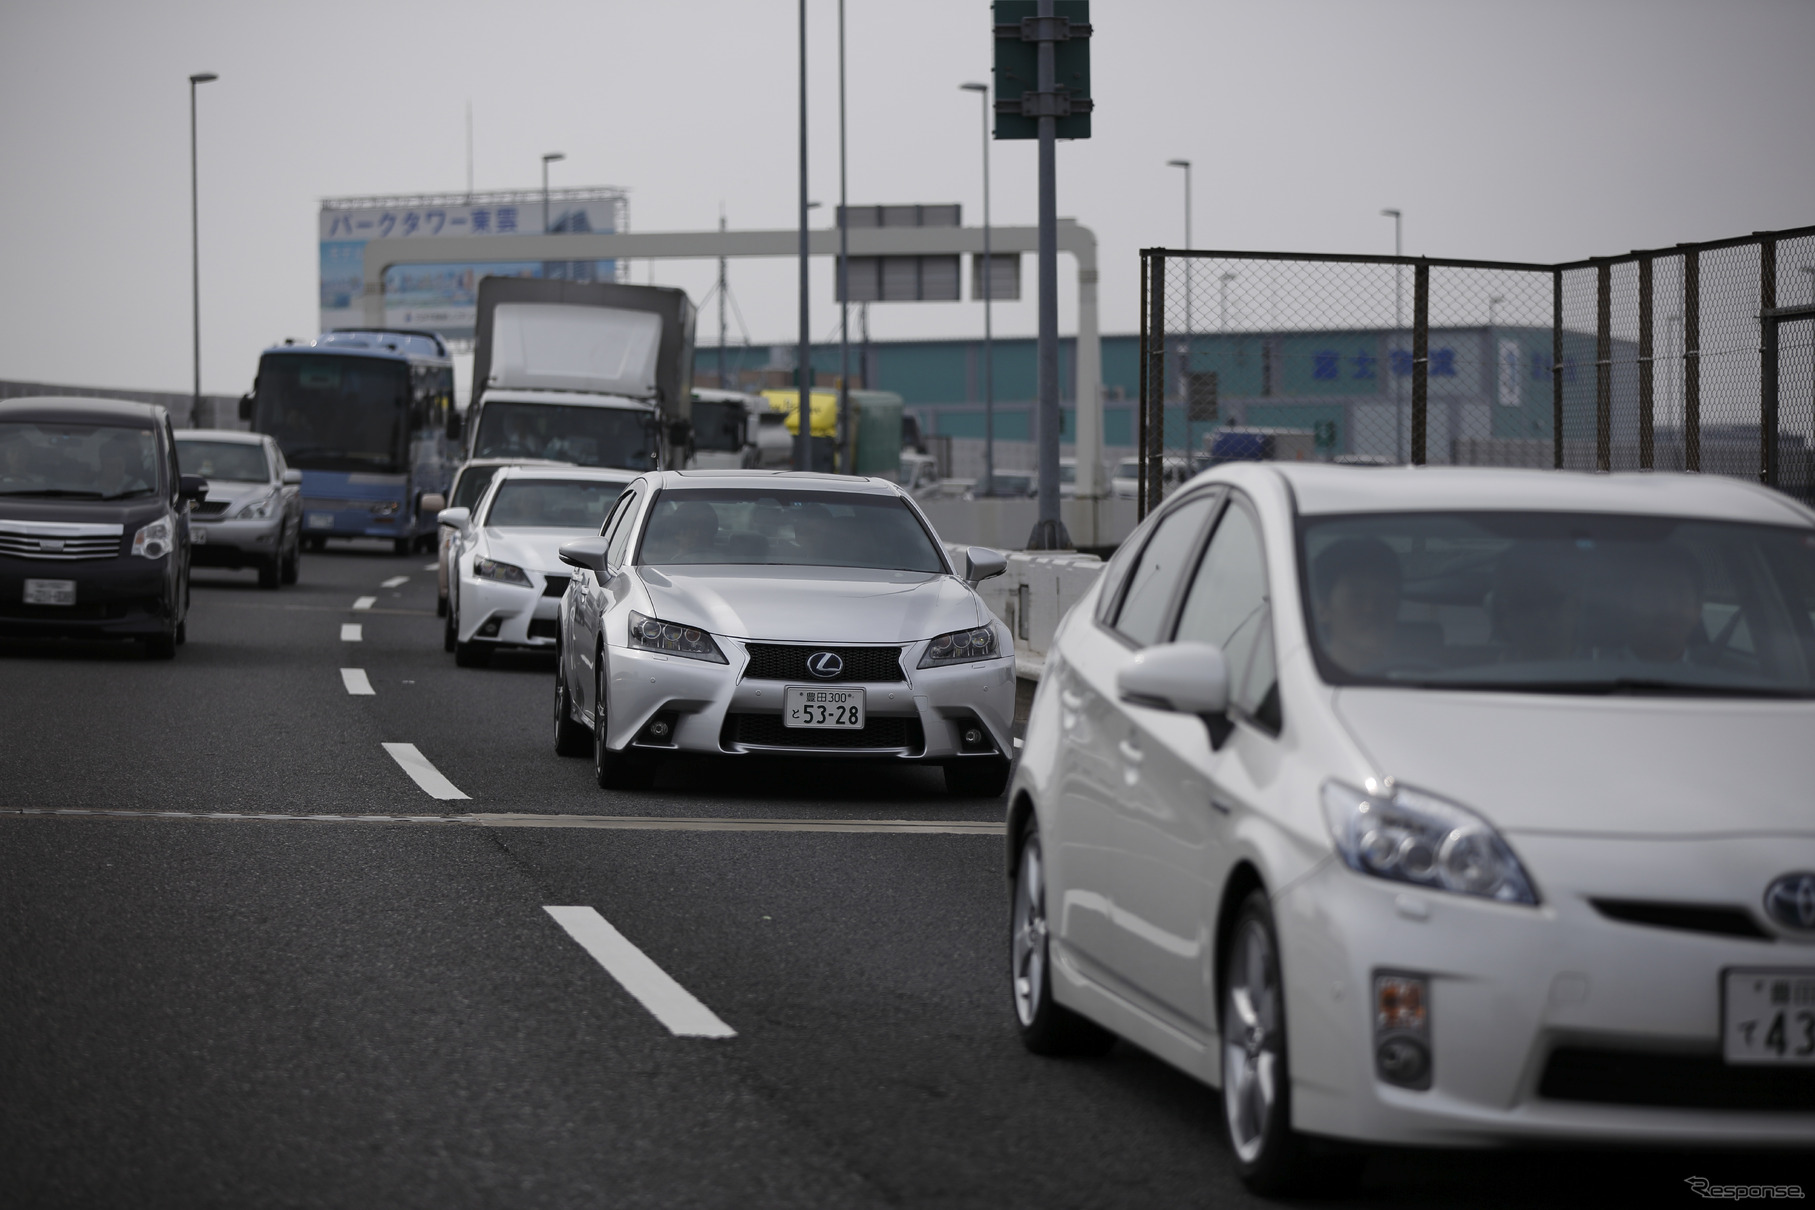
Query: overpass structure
{"points": [[1074, 239]]}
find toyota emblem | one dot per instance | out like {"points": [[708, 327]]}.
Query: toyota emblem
{"points": [[1790, 900], [825, 664]]}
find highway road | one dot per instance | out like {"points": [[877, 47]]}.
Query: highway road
{"points": [[758, 996]]}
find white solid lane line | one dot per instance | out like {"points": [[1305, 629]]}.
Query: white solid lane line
{"points": [[670, 1003], [422, 773], [394, 581], [352, 632], [622, 823], [431, 567], [356, 682], [365, 602]]}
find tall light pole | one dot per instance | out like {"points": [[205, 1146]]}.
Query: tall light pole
{"points": [[989, 293], [195, 250], [847, 443], [553, 157], [1049, 531], [803, 372], [1184, 368], [1186, 165], [1398, 326]]}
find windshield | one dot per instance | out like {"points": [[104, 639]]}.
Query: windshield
{"points": [[553, 503], [333, 413], [1562, 602], [85, 461], [767, 527], [471, 485], [718, 426], [223, 460], [584, 436]]}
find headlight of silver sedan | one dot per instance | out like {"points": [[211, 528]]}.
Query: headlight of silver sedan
{"points": [[501, 573], [1404, 836], [961, 647], [260, 508], [653, 634]]}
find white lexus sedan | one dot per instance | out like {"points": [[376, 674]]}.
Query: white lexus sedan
{"points": [[745, 613], [1436, 807], [507, 575]]}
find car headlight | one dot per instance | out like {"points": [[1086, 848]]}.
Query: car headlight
{"points": [[653, 634], [502, 573], [259, 509], [156, 540], [385, 509], [1404, 836], [961, 647]]}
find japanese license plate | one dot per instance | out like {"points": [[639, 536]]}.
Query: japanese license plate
{"points": [[318, 521], [50, 592], [824, 708], [1768, 1016]]}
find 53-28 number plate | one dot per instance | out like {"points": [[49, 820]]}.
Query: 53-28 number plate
{"points": [[805, 706], [1768, 1016]]}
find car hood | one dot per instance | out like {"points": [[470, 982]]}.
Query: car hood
{"points": [[531, 549], [812, 604], [129, 514], [1650, 766], [232, 492]]}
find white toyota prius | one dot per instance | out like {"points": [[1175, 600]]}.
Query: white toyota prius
{"points": [[1436, 807], [748, 613]]}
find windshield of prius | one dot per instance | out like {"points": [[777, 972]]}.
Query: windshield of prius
{"points": [[553, 503], [1562, 602], [771, 527], [223, 460], [335, 412], [79, 461], [584, 436]]}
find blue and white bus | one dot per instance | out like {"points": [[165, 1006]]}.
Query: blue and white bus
{"points": [[364, 415]]}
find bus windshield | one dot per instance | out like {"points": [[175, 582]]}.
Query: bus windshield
{"points": [[335, 413], [585, 436]]}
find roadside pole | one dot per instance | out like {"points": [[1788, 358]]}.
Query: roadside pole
{"points": [[803, 376]]}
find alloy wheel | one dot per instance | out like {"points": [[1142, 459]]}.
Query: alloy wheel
{"points": [[1028, 940], [1253, 1056]]}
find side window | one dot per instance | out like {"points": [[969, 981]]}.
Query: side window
{"points": [[1115, 574], [1228, 604], [618, 541], [1156, 574], [170, 464]]}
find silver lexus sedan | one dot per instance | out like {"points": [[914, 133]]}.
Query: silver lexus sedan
{"points": [[741, 613]]}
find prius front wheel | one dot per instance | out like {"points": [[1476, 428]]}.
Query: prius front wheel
{"points": [[1046, 1027]]}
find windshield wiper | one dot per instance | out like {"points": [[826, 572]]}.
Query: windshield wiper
{"points": [[1633, 686], [137, 491], [69, 492]]}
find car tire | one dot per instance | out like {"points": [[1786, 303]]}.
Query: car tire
{"points": [[466, 655], [271, 572], [440, 606], [402, 546], [614, 770], [161, 646], [571, 739], [1046, 1026], [288, 566], [448, 633], [977, 777], [182, 632]]}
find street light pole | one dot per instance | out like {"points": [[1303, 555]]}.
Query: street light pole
{"points": [[989, 293], [1184, 352], [847, 436], [803, 371], [1049, 531], [195, 251], [1398, 326], [1186, 165], [551, 158]]}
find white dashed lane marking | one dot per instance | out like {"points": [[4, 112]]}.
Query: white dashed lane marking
{"points": [[431, 567], [395, 581], [654, 988], [422, 772], [352, 632], [365, 602], [356, 682]]}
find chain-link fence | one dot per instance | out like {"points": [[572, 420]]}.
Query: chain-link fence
{"points": [[1696, 357]]}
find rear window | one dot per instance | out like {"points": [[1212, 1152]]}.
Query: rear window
{"points": [[223, 460]]}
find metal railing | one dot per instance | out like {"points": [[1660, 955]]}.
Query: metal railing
{"points": [[1696, 357]]}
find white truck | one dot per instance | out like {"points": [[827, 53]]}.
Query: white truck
{"points": [[592, 373]]}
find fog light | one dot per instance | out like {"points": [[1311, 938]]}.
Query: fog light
{"points": [[658, 729], [658, 732], [1402, 1029], [490, 629], [973, 736]]}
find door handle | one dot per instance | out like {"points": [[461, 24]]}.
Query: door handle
{"points": [[1131, 751]]}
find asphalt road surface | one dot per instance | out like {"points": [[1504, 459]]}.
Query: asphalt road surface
{"points": [[759, 996]]}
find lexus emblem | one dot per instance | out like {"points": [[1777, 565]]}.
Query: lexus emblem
{"points": [[1790, 900], [825, 664]]}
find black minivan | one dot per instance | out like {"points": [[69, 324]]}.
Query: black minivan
{"points": [[94, 522]]}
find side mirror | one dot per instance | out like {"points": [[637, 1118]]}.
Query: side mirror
{"points": [[981, 563], [191, 487], [292, 478], [453, 425], [455, 517], [431, 502], [1185, 678], [588, 554], [245, 407]]}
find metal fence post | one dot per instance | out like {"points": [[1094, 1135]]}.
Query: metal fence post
{"points": [[1692, 359], [1647, 434], [1556, 367], [1153, 443], [1140, 400], [1603, 367], [1767, 355], [1421, 356]]}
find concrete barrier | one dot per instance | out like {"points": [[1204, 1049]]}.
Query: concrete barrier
{"points": [[1003, 524], [1031, 597]]}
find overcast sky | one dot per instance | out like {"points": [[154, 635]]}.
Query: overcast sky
{"points": [[1522, 131]]}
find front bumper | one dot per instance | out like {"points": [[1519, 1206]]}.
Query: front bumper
{"points": [[509, 615], [1548, 1023], [715, 708], [121, 597], [234, 543]]}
